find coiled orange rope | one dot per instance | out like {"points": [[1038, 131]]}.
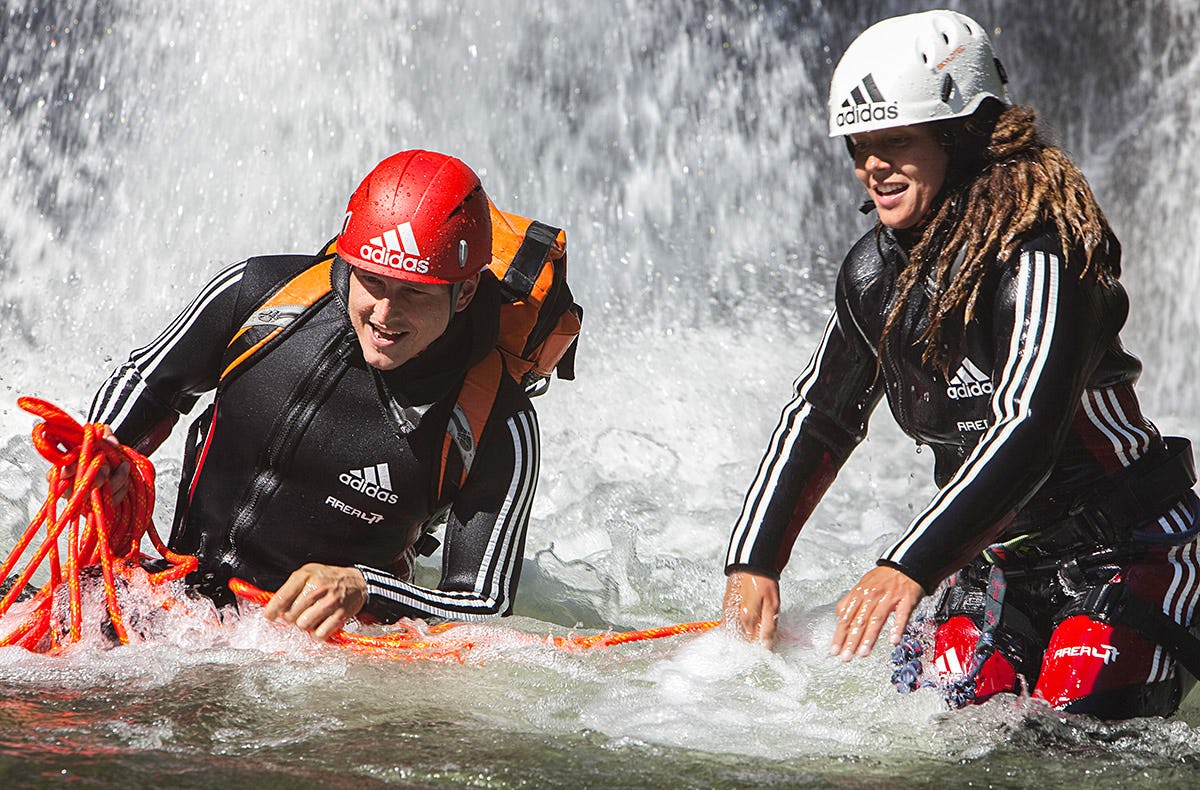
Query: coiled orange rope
{"points": [[110, 537]]}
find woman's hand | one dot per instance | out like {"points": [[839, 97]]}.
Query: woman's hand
{"points": [[319, 599], [863, 611], [752, 603]]}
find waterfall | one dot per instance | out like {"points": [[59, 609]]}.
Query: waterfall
{"points": [[682, 144]]}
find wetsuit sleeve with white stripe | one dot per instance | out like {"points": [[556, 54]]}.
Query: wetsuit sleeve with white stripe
{"points": [[484, 539], [817, 431], [143, 398], [1048, 333]]}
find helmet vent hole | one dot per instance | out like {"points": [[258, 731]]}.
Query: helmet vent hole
{"points": [[463, 205], [947, 88], [1000, 70], [946, 39]]}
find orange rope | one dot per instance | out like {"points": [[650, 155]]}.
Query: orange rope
{"points": [[410, 639], [624, 637], [101, 534], [406, 643], [97, 532]]}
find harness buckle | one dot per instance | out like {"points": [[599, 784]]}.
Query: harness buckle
{"points": [[1084, 572]]}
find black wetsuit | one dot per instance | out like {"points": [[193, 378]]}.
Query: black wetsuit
{"points": [[1038, 408], [314, 456]]}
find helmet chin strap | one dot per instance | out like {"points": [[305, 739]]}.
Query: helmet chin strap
{"points": [[455, 290]]}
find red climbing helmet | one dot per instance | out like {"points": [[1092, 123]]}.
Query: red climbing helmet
{"points": [[419, 216]]}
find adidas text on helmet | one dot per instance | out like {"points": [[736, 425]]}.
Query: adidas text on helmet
{"points": [[913, 69], [396, 249]]}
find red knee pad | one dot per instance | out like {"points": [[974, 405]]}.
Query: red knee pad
{"points": [[1086, 656], [954, 652]]}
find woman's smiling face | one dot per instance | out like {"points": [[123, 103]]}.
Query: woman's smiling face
{"points": [[902, 169]]}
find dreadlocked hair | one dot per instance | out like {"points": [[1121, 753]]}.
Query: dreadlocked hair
{"points": [[1012, 184]]}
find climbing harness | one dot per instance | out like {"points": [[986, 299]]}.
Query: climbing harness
{"points": [[102, 535], [960, 692], [1111, 602]]}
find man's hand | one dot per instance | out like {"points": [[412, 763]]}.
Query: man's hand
{"points": [[319, 599], [864, 610], [118, 479], [752, 602]]}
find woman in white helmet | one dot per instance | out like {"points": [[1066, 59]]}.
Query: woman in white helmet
{"points": [[984, 305]]}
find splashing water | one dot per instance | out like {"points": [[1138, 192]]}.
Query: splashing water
{"points": [[682, 145]]}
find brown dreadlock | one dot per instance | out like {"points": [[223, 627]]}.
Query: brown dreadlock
{"points": [[1013, 184]]}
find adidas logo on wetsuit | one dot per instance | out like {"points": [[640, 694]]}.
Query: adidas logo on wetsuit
{"points": [[374, 481], [397, 249], [968, 382], [860, 108]]}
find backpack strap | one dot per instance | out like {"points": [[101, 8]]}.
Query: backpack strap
{"points": [[522, 274], [268, 321], [467, 420]]}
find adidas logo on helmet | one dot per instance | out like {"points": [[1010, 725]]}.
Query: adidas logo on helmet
{"points": [[857, 109], [396, 249]]}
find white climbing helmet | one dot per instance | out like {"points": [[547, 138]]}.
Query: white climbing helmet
{"points": [[914, 69]]}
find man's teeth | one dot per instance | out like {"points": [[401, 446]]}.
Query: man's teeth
{"points": [[890, 189]]}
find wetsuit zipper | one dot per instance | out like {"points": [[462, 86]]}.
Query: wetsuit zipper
{"points": [[286, 433], [889, 344]]}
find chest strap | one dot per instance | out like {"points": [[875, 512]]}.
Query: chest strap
{"points": [[467, 420], [273, 316]]}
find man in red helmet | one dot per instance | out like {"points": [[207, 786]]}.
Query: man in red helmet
{"points": [[318, 469]]}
